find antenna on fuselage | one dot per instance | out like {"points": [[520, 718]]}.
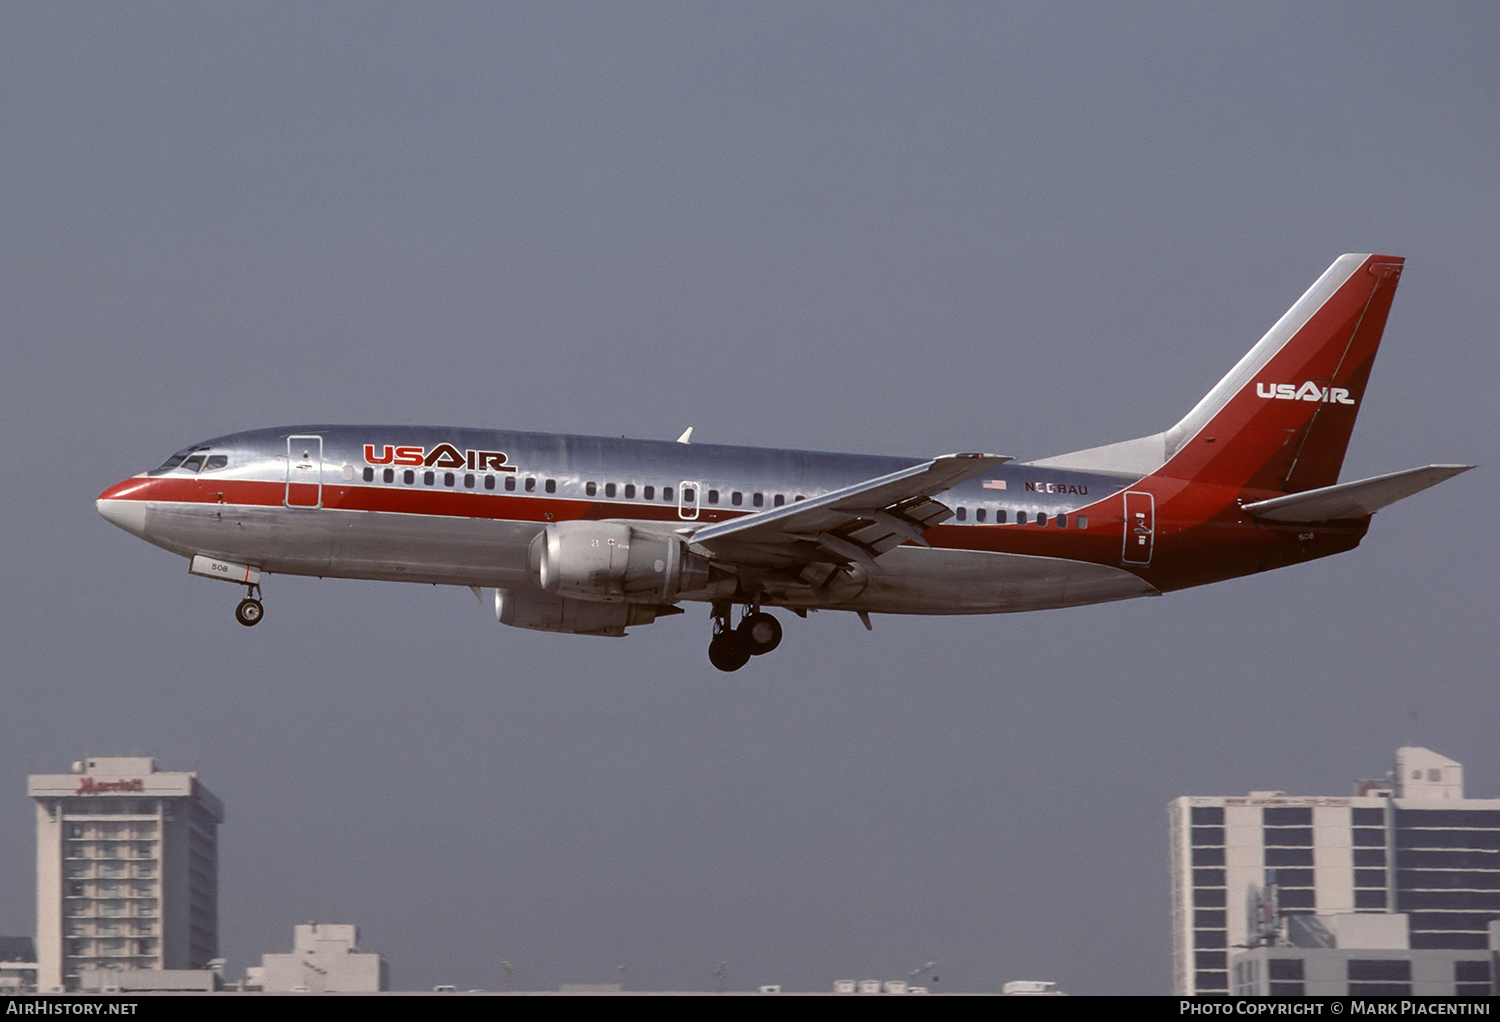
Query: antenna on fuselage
{"points": [[687, 436]]}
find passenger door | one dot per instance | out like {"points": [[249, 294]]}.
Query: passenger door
{"points": [[304, 470]]}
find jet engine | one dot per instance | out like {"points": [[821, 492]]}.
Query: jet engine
{"points": [[611, 562], [545, 612]]}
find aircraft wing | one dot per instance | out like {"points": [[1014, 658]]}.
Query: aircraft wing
{"points": [[1352, 500], [853, 525]]}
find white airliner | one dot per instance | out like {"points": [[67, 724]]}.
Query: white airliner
{"points": [[592, 535]]}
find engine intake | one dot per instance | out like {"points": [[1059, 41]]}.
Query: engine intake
{"points": [[611, 562]]}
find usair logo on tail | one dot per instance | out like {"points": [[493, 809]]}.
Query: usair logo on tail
{"points": [[441, 456], [1309, 391]]}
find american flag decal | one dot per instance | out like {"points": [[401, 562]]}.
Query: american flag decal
{"points": [[994, 484]]}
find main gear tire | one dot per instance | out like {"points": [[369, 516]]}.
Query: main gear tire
{"points": [[728, 651], [761, 633], [249, 612]]}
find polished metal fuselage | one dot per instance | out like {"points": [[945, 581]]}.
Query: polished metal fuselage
{"points": [[316, 500]]}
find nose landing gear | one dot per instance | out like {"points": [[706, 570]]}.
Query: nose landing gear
{"points": [[731, 648], [249, 612]]}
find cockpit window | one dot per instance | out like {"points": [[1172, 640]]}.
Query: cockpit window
{"points": [[194, 463], [215, 461], [172, 462]]}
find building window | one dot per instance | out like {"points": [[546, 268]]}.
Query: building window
{"points": [[1287, 816], [1208, 835], [1369, 818], [1379, 976], [1365, 837], [1208, 856], [1369, 878], [1211, 959], [1369, 857], [1209, 897], [1208, 878], [1209, 918], [1284, 968], [1210, 939], [1289, 857], [1289, 837], [1369, 900]]}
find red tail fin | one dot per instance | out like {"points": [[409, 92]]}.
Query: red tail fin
{"points": [[1282, 417]]}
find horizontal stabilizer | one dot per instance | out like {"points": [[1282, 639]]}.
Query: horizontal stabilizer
{"points": [[1352, 500]]}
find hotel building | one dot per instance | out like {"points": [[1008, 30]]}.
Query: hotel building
{"points": [[127, 870]]}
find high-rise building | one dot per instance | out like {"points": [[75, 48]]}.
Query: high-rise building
{"points": [[1410, 844], [126, 869]]}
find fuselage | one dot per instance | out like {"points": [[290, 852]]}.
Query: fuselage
{"points": [[457, 506]]}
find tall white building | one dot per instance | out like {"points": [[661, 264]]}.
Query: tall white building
{"points": [[1411, 844], [127, 869]]}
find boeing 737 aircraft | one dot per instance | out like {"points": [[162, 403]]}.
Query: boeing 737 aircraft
{"points": [[591, 535]]}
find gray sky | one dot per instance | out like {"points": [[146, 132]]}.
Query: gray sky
{"points": [[908, 229]]}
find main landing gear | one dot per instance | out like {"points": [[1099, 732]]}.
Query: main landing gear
{"points": [[731, 648], [250, 611]]}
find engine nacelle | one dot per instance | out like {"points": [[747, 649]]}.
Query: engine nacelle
{"points": [[545, 612], [612, 562]]}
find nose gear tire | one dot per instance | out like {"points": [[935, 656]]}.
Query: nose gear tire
{"points": [[249, 612]]}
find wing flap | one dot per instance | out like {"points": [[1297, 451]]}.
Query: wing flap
{"points": [[855, 524], [1352, 500]]}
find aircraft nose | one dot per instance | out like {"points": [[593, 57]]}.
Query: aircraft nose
{"points": [[117, 509]]}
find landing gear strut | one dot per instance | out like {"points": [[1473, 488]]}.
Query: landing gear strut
{"points": [[250, 611], [731, 648]]}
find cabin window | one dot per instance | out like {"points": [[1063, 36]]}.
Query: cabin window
{"points": [[713, 496], [800, 497], [215, 461], [469, 480], [609, 490], [1083, 521], [551, 485], [666, 493], [590, 488], [194, 463], [447, 478], [1062, 521], [389, 475], [1000, 517], [428, 478], [980, 514], [963, 514], [489, 482], [408, 477], [736, 498], [1041, 518], [649, 492], [510, 482], [1020, 517], [780, 500], [687, 495], [630, 491], [531, 484], [758, 499], [369, 474]]}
